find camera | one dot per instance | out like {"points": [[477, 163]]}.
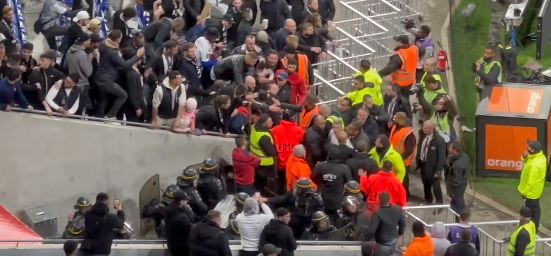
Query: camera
{"points": [[415, 89], [408, 23]]}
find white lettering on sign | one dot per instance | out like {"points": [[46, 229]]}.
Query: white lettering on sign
{"points": [[535, 97], [517, 165]]}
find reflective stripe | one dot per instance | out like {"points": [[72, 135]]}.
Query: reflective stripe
{"points": [[405, 76], [255, 146], [530, 249]]}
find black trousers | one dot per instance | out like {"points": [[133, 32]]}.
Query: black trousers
{"points": [[431, 186], [405, 182], [265, 179], [534, 205], [248, 253], [404, 91], [457, 203]]}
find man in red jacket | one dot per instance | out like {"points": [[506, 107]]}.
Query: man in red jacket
{"points": [[244, 165], [383, 181], [286, 136]]}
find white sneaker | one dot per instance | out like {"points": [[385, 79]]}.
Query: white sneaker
{"points": [[111, 120]]}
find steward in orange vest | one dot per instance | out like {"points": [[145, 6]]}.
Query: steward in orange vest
{"points": [[403, 64], [304, 68], [309, 110], [286, 136], [402, 139]]}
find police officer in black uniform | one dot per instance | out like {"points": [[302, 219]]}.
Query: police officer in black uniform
{"points": [[352, 188], [186, 182], [352, 219], [232, 230], [210, 186], [239, 200], [321, 228], [157, 210], [75, 227], [303, 202]]}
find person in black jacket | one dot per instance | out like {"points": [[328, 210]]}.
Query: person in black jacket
{"points": [[331, 177], [123, 20], [326, 10], [457, 176], [178, 224], [369, 124], [314, 140], [6, 29], [192, 12], [395, 102], [206, 238], [387, 225], [191, 70], [165, 61], [101, 227], [158, 32], [276, 12], [362, 160], [235, 67], [378, 113], [210, 185], [312, 43], [214, 117], [186, 183], [42, 79], [463, 248], [431, 159], [278, 233], [109, 64], [134, 107]]}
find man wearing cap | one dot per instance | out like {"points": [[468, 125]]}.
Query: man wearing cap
{"points": [[137, 40], [77, 61], [532, 178], [403, 65], [523, 239], [6, 30], [228, 24], [42, 79], [78, 25], [93, 26], [64, 96]]}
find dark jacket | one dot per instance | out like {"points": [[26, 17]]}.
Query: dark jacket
{"points": [[158, 66], [232, 68], [305, 43], [314, 140], [118, 23], [74, 32], [380, 115], [178, 225], [46, 78], [206, 238], [192, 9], [211, 188], [157, 33], [386, 225], [134, 87], [280, 235], [360, 136], [457, 174], [211, 119], [331, 177], [101, 228], [9, 42], [299, 205], [326, 9], [280, 39], [361, 161], [195, 201], [436, 155], [276, 12], [347, 116], [11, 94], [462, 249], [371, 128], [188, 69], [400, 105], [110, 62]]}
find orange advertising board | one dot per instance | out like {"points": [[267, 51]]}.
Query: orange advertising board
{"points": [[505, 145], [509, 100]]}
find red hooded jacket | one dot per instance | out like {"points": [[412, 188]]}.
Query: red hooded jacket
{"points": [[373, 185], [299, 89], [286, 136], [244, 165]]}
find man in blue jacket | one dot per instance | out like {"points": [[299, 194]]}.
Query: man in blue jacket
{"points": [[11, 93]]}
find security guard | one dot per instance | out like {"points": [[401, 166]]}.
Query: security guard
{"points": [[532, 178], [402, 138], [403, 64], [75, 227], [302, 202], [383, 151], [157, 210], [352, 188], [239, 201], [321, 228], [186, 182], [371, 76], [523, 239], [210, 186], [443, 116], [488, 72], [361, 88], [262, 145], [428, 95]]}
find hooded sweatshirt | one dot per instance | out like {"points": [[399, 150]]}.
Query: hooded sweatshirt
{"points": [[100, 229], [438, 234], [251, 223], [77, 61], [280, 235]]}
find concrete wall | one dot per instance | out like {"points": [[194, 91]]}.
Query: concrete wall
{"points": [[53, 161]]}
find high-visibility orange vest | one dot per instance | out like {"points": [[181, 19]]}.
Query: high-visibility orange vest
{"points": [[306, 117], [398, 139], [302, 67], [405, 76]]}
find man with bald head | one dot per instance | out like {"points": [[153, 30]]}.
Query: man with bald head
{"points": [[314, 141], [280, 36], [402, 139], [431, 159]]}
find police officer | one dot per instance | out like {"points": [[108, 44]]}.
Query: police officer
{"points": [[157, 210], [232, 230], [75, 227], [352, 188], [348, 212], [239, 200], [352, 219], [321, 228], [186, 182], [210, 186], [303, 202]]}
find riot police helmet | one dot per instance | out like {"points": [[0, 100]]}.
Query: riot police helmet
{"points": [[208, 165], [351, 188], [321, 221], [82, 202], [187, 178], [233, 228], [350, 204], [168, 194], [303, 186], [240, 200]]}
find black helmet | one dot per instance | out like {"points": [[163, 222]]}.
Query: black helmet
{"points": [[240, 199], [233, 228], [319, 216], [187, 177], [168, 195], [351, 187], [349, 200], [303, 183], [208, 165], [82, 202]]}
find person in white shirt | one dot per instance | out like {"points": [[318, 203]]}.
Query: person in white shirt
{"points": [[251, 224], [169, 99], [64, 96]]}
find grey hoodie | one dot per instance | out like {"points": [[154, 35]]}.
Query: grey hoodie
{"points": [[77, 61], [438, 234], [251, 224]]}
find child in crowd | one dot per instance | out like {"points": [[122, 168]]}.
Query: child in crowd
{"points": [[188, 117]]}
